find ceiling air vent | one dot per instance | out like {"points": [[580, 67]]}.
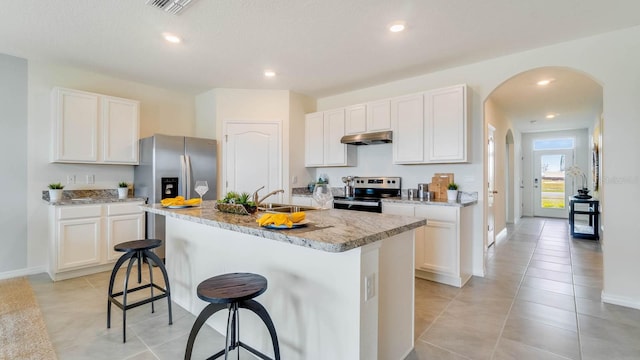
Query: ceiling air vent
{"points": [[171, 6]]}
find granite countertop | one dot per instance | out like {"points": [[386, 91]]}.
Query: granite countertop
{"points": [[88, 197], [340, 231]]}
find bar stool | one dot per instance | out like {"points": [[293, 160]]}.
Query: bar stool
{"points": [[137, 250], [233, 291]]}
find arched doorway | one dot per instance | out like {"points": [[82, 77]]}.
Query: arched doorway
{"points": [[521, 109]]}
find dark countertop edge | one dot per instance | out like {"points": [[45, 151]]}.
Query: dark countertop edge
{"points": [[95, 201], [285, 237]]}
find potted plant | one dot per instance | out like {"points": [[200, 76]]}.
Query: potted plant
{"points": [[123, 190], [452, 192], [237, 204], [55, 192]]}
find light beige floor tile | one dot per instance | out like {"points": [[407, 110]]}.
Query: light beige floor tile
{"points": [[549, 298], [550, 275], [619, 333], [426, 351], [549, 285], [615, 313], [537, 334], [510, 350], [598, 349], [545, 314]]}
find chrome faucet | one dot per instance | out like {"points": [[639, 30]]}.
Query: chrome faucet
{"points": [[259, 201]]}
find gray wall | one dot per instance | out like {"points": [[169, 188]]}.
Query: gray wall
{"points": [[13, 162]]}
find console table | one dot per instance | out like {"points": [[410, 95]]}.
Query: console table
{"points": [[583, 231]]}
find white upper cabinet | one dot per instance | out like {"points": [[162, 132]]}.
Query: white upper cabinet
{"points": [[323, 131], [431, 127], [75, 126], [94, 128], [370, 117], [356, 119], [407, 120], [379, 115], [120, 126], [446, 121]]}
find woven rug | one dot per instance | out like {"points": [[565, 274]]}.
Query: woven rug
{"points": [[23, 333]]}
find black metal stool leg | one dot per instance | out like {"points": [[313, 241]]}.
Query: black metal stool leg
{"points": [[158, 261], [145, 258], [259, 310], [139, 256], [200, 320], [112, 279], [124, 298]]}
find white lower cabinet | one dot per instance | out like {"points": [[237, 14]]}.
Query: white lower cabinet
{"points": [[125, 222], [83, 236], [443, 246]]}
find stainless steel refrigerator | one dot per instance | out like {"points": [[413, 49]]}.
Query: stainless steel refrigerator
{"points": [[169, 166]]}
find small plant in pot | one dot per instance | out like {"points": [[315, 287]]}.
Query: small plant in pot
{"points": [[237, 203], [452, 192], [55, 192], [123, 190]]}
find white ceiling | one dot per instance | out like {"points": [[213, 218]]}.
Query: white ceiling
{"points": [[317, 47], [573, 97]]}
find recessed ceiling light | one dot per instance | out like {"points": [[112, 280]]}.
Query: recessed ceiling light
{"points": [[269, 73], [551, 116], [397, 26], [174, 39], [545, 82]]}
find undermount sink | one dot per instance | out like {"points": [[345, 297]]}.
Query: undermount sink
{"points": [[285, 208]]}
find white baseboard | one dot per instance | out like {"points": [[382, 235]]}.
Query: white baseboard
{"points": [[22, 272], [620, 300], [502, 234]]}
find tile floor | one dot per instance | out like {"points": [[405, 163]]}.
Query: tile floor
{"points": [[539, 300]]}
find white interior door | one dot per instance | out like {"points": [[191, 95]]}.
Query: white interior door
{"points": [[253, 157], [550, 188], [491, 184]]}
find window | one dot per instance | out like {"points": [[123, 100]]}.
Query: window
{"points": [[554, 144]]}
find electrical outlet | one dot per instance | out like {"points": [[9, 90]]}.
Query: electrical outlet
{"points": [[369, 287], [91, 179], [294, 180], [71, 179]]}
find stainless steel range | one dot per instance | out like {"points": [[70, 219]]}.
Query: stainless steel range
{"points": [[368, 192]]}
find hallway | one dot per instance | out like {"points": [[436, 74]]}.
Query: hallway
{"points": [[539, 300]]}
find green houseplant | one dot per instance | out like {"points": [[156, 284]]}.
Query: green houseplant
{"points": [[452, 192], [236, 203], [55, 192], [123, 190]]}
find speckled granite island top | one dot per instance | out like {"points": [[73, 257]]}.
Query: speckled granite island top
{"points": [[329, 230]]}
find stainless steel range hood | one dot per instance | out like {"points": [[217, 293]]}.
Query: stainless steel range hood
{"points": [[381, 137]]}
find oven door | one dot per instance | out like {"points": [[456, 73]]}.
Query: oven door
{"points": [[370, 206]]}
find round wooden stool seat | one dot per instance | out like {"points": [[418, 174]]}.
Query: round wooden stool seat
{"points": [[136, 245], [233, 292], [229, 288]]}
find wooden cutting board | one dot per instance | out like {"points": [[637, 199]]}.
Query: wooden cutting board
{"points": [[439, 184]]}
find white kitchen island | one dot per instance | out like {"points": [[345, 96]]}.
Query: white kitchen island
{"points": [[342, 291]]}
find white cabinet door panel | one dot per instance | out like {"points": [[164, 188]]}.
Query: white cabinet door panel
{"points": [[79, 243], [335, 153], [446, 124], [123, 228], [407, 118], [439, 252], [356, 119], [379, 115], [120, 129], [75, 126]]}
